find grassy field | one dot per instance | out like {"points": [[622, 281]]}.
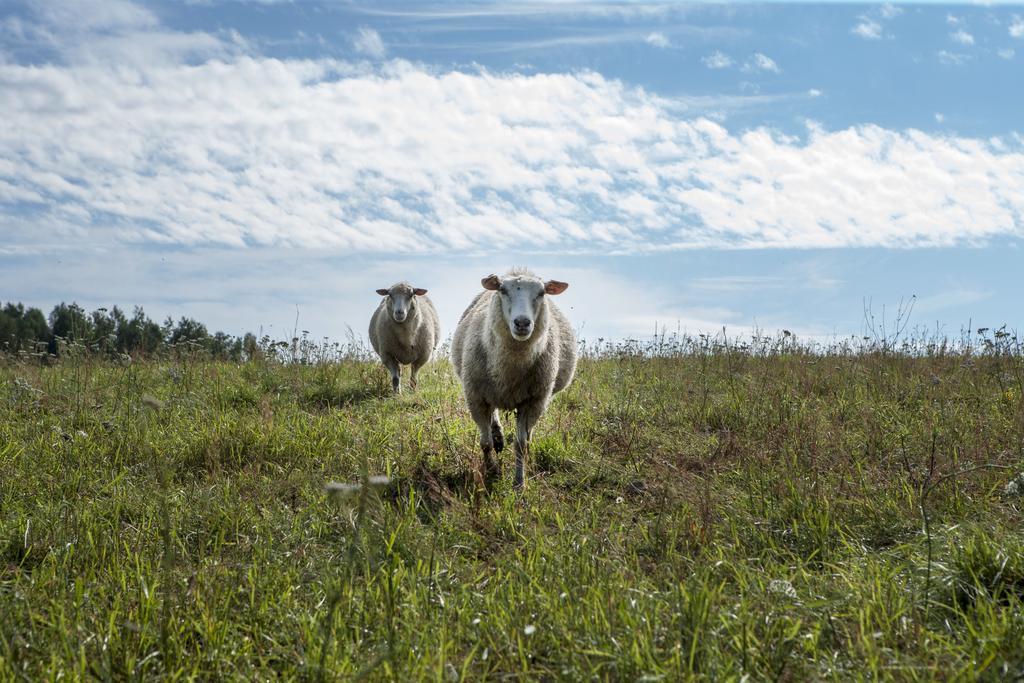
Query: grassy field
{"points": [[714, 514]]}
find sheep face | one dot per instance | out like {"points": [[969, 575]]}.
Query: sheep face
{"points": [[522, 301], [401, 300]]}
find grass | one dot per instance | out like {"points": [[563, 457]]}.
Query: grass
{"points": [[709, 515]]}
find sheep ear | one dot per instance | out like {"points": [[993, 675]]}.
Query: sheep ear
{"points": [[419, 291], [383, 292], [555, 287], [491, 282]]}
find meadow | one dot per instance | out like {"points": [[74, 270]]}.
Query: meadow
{"points": [[695, 510]]}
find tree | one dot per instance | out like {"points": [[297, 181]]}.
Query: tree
{"points": [[22, 329], [33, 329], [8, 329], [112, 331], [138, 334], [69, 322], [104, 327], [250, 346], [188, 330]]}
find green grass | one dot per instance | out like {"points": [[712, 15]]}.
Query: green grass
{"points": [[712, 516]]}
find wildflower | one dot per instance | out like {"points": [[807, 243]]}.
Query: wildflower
{"points": [[346, 490], [1015, 487], [782, 587], [529, 629], [378, 481], [341, 489]]}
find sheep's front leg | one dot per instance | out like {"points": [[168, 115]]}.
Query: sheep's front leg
{"points": [[526, 417], [496, 434], [412, 373], [483, 414], [395, 368]]}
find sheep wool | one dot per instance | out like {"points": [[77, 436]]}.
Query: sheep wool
{"points": [[513, 349], [404, 330]]}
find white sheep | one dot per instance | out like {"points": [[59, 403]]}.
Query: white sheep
{"points": [[512, 350], [404, 330]]}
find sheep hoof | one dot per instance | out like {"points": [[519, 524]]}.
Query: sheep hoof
{"points": [[492, 468], [497, 437]]}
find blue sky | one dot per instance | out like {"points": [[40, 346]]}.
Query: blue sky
{"points": [[691, 166]]}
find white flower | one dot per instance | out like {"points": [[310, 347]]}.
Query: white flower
{"points": [[1015, 486], [529, 629], [346, 490], [783, 587], [341, 489], [378, 481]]}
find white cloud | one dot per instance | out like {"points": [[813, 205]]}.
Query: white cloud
{"points": [[330, 156], [1007, 53], [889, 11], [717, 60], [533, 43], [870, 25], [368, 42], [539, 10], [952, 19], [1017, 27], [760, 62], [657, 39], [83, 15], [867, 29], [962, 37], [101, 31], [940, 117], [347, 158], [952, 58]]}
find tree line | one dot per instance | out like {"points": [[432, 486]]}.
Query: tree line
{"points": [[28, 330]]}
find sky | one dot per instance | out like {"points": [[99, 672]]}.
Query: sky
{"points": [[266, 166]]}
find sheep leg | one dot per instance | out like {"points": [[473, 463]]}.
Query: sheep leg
{"points": [[526, 416], [395, 369], [412, 376], [496, 435], [483, 414]]}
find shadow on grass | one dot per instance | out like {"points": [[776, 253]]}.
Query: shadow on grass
{"points": [[330, 396], [435, 489]]}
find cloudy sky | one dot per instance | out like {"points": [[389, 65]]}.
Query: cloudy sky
{"points": [[691, 166]]}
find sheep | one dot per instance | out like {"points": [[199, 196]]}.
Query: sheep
{"points": [[512, 349], [404, 330]]}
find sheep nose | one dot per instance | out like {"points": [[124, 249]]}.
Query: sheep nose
{"points": [[522, 323]]}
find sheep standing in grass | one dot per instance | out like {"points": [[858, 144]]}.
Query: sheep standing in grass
{"points": [[512, 350], [404, 330]]}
